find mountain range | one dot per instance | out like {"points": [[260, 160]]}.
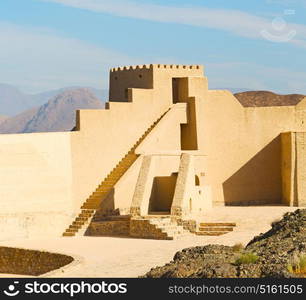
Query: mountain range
{"points": [[13, 101], [266, 98], [58, 114]]}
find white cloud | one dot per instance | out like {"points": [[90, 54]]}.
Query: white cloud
{"points": [[39, 59], [234, 21]]}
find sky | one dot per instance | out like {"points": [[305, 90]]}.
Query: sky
{"points": [[254, 44]]}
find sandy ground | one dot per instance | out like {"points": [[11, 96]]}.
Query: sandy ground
{"points": [[126, 257]]}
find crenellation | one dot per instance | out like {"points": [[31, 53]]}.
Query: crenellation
{"points": [[131, 68], [151, 66]]}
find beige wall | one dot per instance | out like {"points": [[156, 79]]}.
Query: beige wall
{"points": [[288, 168], [243, 147], [294, 168], [166, 135], [35, 184]]}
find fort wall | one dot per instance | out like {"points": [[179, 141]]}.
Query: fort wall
{"points": [[236, 155], [35, 184], [243, 146]]}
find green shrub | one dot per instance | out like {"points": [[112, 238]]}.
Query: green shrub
{"points": [[246, 258], [298, 265], [238, 247]]}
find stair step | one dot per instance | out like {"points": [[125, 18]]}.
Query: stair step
{"points": [[85, 215], [127, 160], [79, 223], [94, 199], [97, 199], [97, 196], [90, 206], [111, 177], [81, 219], [68, 234], [208, 228], [211, 233], [71, 230], [91, 203], [116, 174], [107, 180], [121, 166], [99, 193], [88, 211], [218, 224], [107, 184], [76, 227], [103, 185]]}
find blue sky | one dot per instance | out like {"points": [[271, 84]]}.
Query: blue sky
{"points": [[255, 44]]}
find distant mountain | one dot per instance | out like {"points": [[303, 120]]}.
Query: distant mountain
{"points": [[2, 118], [58, 114], [266, 98], [232, 90], [17, 123], [42, 98], [13, 101]]}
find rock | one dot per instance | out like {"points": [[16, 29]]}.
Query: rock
{"points": [[275, 249]]}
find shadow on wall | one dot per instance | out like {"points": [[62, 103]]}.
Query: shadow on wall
{"points": [[259, 180], [162, 193], [108, 203]]}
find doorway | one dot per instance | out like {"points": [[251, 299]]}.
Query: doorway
{"points": [[175, 90], [162, 194]]}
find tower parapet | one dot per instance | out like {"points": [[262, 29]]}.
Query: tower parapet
{"points": [[158, 66], [148, 76]]}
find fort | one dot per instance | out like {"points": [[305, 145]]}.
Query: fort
{"points": [[165, 150]]}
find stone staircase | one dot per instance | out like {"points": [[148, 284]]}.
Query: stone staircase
{"points": [[157, 227], [92, 204], [215, 229]]}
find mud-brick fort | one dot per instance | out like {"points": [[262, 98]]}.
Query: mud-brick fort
{"points": [[165, 150]]}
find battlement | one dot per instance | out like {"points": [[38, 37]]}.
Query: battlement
{"points": [[157, 66], [148, 76]]}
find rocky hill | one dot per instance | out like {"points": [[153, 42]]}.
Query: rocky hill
{"points": [[13, 101], [17, 123], [2, 118], [265, 98], [280, 253], [58, 114]]}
